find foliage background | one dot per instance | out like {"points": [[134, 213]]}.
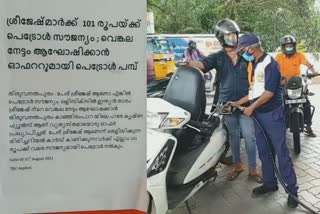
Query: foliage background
{"points": [[270, 19]]}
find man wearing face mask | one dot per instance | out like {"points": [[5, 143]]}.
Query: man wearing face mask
{"points": [[289, 62], [192, 52], [232, 85], [267, 106]]}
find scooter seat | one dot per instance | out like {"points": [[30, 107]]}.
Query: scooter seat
{"points": [[184, 159], [186, 90]]}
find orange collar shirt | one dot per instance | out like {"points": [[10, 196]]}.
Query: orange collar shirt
{"points": [[290, 66]]}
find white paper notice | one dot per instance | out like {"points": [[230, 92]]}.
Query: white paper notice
{"points": [[72, 106]]}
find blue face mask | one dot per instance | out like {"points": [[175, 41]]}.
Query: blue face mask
{"points": [[247, 56]]}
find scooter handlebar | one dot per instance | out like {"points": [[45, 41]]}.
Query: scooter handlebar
{"points": [[311, 75], [316, 74]]}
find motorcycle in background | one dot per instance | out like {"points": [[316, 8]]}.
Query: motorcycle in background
{"points": [[295, 96]]}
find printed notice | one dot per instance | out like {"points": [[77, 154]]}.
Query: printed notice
{"points": [[72, 106]]}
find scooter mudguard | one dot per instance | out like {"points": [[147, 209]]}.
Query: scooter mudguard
{"points": [[296, 120], [160, 150]]}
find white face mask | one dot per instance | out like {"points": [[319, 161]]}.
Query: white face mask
{"points": [[289, 49], [231, 39]]}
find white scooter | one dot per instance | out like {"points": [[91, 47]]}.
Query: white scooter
{"points": [[184, 145]]}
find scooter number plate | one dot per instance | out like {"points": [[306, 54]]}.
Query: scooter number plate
{"points": [[296, 101]]}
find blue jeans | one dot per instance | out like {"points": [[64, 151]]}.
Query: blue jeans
{"points": [[235, 123], [273, 123]]}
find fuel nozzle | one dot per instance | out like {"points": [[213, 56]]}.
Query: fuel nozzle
{"points": [[236, 106]]}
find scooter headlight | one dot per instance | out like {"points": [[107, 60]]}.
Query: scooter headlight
{"points": [[162, 159], [294, 93], [154, 120], [160, 120], [171, 122]]}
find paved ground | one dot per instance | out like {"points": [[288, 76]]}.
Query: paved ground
{"points": [[227, 197]]}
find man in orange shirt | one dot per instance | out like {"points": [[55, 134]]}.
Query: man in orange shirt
{"points": [[289, 62]]}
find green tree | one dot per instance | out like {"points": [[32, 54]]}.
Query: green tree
{"points": [[177, 16], [153, 5], [271, 19]]}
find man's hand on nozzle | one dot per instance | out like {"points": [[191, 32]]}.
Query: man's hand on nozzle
{"points": [[235, 104], [232, 103]]}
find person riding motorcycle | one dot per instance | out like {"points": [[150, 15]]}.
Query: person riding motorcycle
{"points": [[289, 62], [192, 52]]}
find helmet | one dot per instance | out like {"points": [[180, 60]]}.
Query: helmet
{"points": [[226, 26], [288, 39], [192, 44]]}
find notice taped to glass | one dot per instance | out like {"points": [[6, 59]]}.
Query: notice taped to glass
{"points": [[72, 106]]}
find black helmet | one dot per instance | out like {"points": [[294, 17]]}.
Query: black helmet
{"points": [[288, 39], [226, 26], [192, 44]]}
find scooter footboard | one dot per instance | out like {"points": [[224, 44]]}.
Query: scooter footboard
{"points": [[158, 200]]}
